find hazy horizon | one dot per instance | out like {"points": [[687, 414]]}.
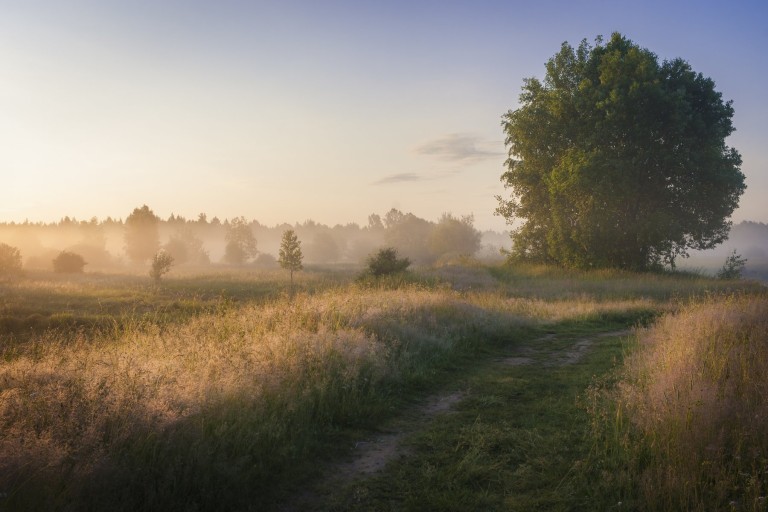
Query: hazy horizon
{"points": [[288, 111]]}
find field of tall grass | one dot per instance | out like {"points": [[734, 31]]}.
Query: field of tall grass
{"points": [[226, 401], [684, 425]]}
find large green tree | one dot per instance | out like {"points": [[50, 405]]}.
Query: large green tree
{"points": [[618, 160]]}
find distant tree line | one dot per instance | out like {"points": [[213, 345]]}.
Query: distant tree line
{"points": [[70, 244]]}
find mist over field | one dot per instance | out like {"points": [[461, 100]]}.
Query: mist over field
{"points": [[748, 239], [202, 242], [450, 256]]}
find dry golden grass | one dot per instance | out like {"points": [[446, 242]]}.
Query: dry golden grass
{"points": [[691, 407], [217, 401], [71, 410]]}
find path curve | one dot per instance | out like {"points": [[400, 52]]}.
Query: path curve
{"points": [[372, 454]]}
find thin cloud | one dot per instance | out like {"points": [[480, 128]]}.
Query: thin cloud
{"points": [[399, 178], [460, 148]]}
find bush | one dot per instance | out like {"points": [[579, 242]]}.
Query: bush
{"points": [[161, 264], [266, 260], [68, 263], [10, 260], [385, 262], [733, 267]]}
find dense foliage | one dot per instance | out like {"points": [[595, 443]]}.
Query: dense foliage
{"points": [[618, 160], [386, 262]]}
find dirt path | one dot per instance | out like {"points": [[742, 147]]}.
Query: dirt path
{"points": [[538, 351], [372, 454]]}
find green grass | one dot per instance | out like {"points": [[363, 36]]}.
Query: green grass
{"points": [[103, 301], [224, 391], [512, 444], [528, 280]]}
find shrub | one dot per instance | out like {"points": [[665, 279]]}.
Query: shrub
{"points": [[385, 262], [161, 264], [266, 260], [10, 260], [733, 267], [68, 263]]}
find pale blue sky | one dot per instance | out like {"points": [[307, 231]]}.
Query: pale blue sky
{"points": [[284, 111]]}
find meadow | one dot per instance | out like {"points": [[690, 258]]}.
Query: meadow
{"points": [[228, 391]]}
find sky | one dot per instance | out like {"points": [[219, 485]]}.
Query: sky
{"points": [[284, 111]]}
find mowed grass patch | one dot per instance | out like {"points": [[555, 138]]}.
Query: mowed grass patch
{"points": [[512, 443]]}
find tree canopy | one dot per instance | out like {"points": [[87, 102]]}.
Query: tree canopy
{"points": [[241, 244], [454, 236], [10, 260], [142, 236], [618, 160]]}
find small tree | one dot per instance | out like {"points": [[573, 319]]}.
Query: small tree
{"points": [[68, 262], [385, 262], [290, 253], [10, 260], [733, 267], [161, 264]]}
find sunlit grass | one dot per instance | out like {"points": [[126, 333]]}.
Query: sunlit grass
{"points": [[213, 391], [257, 382], [685, 424], [47, 300]]}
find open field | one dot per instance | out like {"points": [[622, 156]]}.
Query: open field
{"points": [[224, 391]]}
